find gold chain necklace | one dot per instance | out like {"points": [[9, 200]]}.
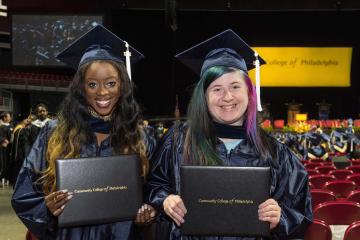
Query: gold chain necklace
{"points": [[93, 113]]}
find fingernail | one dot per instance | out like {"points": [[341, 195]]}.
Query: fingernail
{"points": [[64, 191], [63, 206], [70, 197], [152, 214]]}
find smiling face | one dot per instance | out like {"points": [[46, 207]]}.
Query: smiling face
{"points": [[102, 87], [227, 98]]}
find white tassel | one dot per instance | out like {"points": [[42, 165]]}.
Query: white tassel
{"points": [[127, 55], [257, 81]]}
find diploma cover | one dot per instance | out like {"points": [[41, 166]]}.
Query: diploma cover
{"points": [[106, 189], [223, 201]]}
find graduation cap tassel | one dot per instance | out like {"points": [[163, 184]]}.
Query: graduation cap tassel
{"points": [[127, 55], [257, 80]]}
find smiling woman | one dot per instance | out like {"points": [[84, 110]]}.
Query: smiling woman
{"points": [[99, 117], [227, 98], [222, 130], [102, 87]]}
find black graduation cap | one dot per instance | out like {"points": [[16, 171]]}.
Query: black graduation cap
{"points": [[223, 49], [97, 44]]}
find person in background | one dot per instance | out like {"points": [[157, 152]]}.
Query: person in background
{"points": [[6, 130], [159, 131], [42, 113], [20, 147], [222, 129], [149, 129], [99, 117]]}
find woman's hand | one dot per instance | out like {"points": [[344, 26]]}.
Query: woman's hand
{"points": [[174, 207], [145, 214], [270, 211], [56, 201]]}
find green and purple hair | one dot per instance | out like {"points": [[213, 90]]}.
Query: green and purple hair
{"points": [[200, 142]]}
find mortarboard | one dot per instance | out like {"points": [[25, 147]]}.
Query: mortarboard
{"points": [[224, 49], [99, 44]]}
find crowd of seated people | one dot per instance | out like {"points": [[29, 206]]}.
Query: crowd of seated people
{"points": [[331, 157]]}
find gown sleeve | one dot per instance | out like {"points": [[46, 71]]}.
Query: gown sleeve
{"points": [[291, 189], [161, 169], [150, 143], [28, 197]]}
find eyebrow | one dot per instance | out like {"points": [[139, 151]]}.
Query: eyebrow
{"points": [[232, 83], [235, 83], [96, 79]]}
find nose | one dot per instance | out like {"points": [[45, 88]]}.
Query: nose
{"points": [[227, 95], [102, 90]]}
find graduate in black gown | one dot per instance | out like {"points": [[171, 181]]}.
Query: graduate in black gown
{"points": [[98, 117], [6, 130], [20, 147], [222, 129], [318, 144]]}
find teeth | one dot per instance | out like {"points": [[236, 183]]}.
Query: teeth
{"points": [[103, 102], [228, 107]]}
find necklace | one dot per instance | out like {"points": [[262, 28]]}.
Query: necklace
{"points": [[93, 113]]}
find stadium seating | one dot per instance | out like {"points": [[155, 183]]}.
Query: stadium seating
{"points": [[338, 212], [340, 174], [353, 231], [354, 196], [319, 180], [318, 230], [341, 188], [325, 169], [354, 177], [320, 196]]}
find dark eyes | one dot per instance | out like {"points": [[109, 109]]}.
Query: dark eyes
{"points": [[92, 84], [219, 89], [109, 84]]}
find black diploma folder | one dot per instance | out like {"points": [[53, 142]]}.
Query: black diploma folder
{"points": [[106, 189], [223, 201]]}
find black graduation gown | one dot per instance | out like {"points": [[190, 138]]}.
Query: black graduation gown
{"points": [[34, 129], [19, 150], [5, 134], [289, 182], [28, 198]]}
